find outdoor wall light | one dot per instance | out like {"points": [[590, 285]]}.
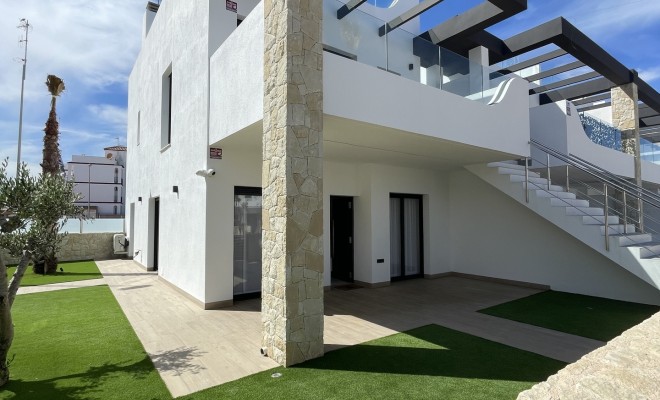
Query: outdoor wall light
{"points": [[205, 172], [175, 189], [140, 199]]}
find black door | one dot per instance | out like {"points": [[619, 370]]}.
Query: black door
{"points": [[247, 242], [406, 236], [341, 237], [156, 226]]}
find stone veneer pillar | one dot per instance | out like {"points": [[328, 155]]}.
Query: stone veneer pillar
{"points": [[625, 117], [292, 178]]}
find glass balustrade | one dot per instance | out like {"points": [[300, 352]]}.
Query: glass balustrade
{"points": [[649, 151], [356, 36]]}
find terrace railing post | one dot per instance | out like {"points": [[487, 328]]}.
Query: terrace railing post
{"points": [[607, 227], [568, 184], [625, 213], [526, 179], [640, 210], [547, 166]]}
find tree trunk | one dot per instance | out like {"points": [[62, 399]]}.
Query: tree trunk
{"points": [[7, 295], [6, 325], [50, 264], [51, 164], [39, 267], [51, 152]]}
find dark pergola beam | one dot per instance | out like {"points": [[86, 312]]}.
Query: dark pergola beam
{"points": [[592, 99], [646, 112], [348, 7], [647, 94], [474, 20], [649, 122], [585, 89], [533, 61], [593, 107], [555, 71], [565, 82], [407, 16], [561, 33]]}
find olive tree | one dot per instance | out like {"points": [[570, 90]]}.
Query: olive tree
{"points": [[28, 207]]}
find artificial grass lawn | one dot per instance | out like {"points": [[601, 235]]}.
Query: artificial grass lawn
{"points": [[431, 362], [586, 316], [77, 344], [73, 271]]}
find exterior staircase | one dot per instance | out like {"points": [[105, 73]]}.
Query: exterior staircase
{"points": [[636, 252]]}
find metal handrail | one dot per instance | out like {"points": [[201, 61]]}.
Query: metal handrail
{"points": [[622, 181], [605, 204], [604, 176], [608, 180]]}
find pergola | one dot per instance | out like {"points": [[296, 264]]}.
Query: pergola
{"points": [[592, 71]]}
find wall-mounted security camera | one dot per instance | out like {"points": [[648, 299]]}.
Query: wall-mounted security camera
{"points": [[205, 172]]}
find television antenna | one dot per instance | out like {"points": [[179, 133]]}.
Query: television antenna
{"points": [[24, 25]]}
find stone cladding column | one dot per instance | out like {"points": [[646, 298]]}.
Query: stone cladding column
{"points": [[292, 178], [625, 117]]}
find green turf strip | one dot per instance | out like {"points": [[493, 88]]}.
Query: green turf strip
{"points": [[77, 344], [73, 271], [431, 362], [586, 316]]}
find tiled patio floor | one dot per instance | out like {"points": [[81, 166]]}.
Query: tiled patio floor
{"points": [[194, 349]]}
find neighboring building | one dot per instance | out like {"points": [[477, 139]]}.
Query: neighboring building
{"points": [[100, 182], [272, 157]]}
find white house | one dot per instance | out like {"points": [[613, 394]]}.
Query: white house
{"points": [[100, 182], [273, 151]]}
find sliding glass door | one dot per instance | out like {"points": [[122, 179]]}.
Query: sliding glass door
{"points": [[247, 241], [406, 235]]}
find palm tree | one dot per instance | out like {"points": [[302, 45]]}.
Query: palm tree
{"points": [[51, 164], [52, 156]]}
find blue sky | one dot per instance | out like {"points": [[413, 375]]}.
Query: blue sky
{"points": [[92, 46]]}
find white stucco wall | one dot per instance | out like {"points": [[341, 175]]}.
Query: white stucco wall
{"points": [[369, 184], [237, 88], [492, 235], [363, 93], [178, 38], [238, 167]]}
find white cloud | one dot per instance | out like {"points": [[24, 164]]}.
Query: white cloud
{"points": [[649, 74], [94, 43], [109, 114], [608, 18], [92, 46]]}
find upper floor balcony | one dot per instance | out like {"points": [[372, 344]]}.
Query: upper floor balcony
{"points": [[378, 83]]}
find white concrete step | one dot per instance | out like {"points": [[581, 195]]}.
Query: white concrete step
{"points": [[553, 188], [521, 172], [569, 202], [600, 220], [521, 178], [582, 211], [636, 239], [506, 164], [554, 193], [617, 229]]}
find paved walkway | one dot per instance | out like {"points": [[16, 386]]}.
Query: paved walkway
{"points": [[194, 349], [59, 286]]}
